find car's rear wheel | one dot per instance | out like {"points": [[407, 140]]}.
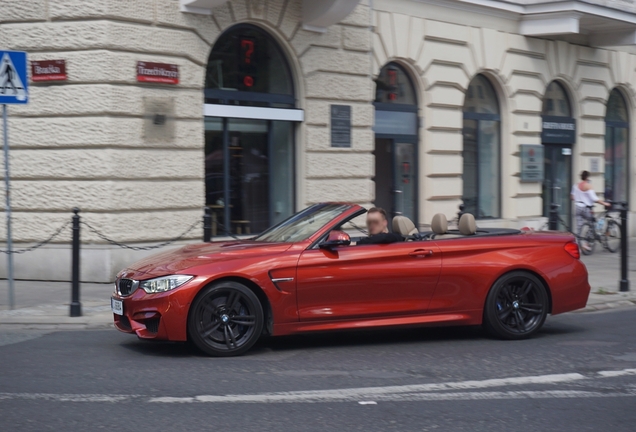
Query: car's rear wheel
{"points": [[516, 306], [225, 319]]}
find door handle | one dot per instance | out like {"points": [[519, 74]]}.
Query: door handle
{"points": [[421, 253]]}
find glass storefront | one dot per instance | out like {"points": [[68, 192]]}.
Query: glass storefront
{"points": [[481, 152], [558, 138], [396, 129], [616, 145], [249, 155]]}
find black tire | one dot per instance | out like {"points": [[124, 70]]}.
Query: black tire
{"points": [[516, 306], [613, 236], [587, 239], [226, 319]]}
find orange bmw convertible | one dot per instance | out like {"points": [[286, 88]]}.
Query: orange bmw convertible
{"points": [[304, 275]]}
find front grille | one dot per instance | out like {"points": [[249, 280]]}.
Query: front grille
{"points": [[126, 287], [125, 322], [152, 325]]}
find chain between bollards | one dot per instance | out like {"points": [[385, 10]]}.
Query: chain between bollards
{"points": [[624, 282], [76, 306], [462, 207]]}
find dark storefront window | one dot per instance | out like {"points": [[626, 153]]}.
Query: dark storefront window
{"points": [[616, 145], [481, 153], [558, 137], [396, 141], [249, 160]]}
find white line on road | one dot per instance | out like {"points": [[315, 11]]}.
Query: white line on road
{"points": [[612, 374], [372, 392], [371, 395], [67, 397]]}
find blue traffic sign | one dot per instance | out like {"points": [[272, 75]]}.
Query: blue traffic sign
{"points": [[14, 85]]}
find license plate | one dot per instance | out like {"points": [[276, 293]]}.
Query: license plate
{"points": [[117, 306]]}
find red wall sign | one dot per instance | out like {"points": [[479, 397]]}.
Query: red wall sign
{"points": [[163, 73], [48, 70]]}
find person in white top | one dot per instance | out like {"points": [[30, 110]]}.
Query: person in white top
{"points": [[583, 196]]}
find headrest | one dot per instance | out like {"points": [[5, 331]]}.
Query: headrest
{"points": [[439, 225], [404, 226], [467, 225]]}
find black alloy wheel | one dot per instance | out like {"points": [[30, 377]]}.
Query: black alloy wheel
{"points": [[613, 236], [225, 319], [516, 307], [587, 239]]}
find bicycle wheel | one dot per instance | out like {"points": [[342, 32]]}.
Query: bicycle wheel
{"points": [[587, 238], [612, 236]]}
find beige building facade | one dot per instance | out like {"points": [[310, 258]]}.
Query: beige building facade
{"points": [[417, 106]]}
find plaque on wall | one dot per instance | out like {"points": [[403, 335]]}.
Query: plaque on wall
{"points": [[531, 163], [595, 165], [159, 119], [341, 126]]}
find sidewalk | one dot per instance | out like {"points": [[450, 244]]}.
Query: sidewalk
{"points": [[604, 275], [45, 305]]}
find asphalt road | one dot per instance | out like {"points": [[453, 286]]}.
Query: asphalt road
{"points": [[578, 374]]}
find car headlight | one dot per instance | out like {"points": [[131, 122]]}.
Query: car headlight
{"points": [[165, 283]]}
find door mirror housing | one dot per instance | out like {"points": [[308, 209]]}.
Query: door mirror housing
{"points": [[336, 238]]}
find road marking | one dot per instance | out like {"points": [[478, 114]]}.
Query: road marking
{"points": [[612, 374], [372, 395], [371, 392], [67, 397]]}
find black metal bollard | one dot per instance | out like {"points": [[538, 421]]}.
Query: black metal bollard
{"points": [[624, 283], [207, 225], [553, 219], [460, 212], [76, 306]]}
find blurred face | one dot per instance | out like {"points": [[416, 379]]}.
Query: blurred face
{"points": [[376, 223]]}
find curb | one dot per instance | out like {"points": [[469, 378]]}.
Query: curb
{"points": [[104, 321]]}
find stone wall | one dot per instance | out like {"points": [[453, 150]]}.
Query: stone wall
{"points": [[444, 57], [80, 143]]}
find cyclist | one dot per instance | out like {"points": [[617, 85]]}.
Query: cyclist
{"points": [[584, 197]]}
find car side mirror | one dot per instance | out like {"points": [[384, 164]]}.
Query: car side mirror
{"points": [[336, 238]]}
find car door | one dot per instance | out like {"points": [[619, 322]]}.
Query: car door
{"points": [[367, 280]]}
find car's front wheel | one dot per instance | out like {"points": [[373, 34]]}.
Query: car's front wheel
{"points": [[516, 306], [225, 319]]}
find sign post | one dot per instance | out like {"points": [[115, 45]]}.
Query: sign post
{"points": [[13, 90]]}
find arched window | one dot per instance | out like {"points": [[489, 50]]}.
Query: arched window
{"points": [[396, 138], [481, 153], [556, 102], [616, 148], [247, 59], [394, 86], [249, 153]]}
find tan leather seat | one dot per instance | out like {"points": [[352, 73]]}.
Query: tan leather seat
{"points": [[467, 224], [439, 226], [404, 226]]}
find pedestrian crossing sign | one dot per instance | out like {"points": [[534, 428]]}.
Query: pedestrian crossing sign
{"points": [[13, 78]]}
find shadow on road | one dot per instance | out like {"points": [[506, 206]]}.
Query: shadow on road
{"points": [[336, 339]]}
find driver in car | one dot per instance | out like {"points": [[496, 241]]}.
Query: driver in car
{"points": [[378, 226]]}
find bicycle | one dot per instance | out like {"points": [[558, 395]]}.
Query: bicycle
{"points": [[606, 230]]}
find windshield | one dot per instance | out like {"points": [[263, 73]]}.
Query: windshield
{"points": [[303, 225]]}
